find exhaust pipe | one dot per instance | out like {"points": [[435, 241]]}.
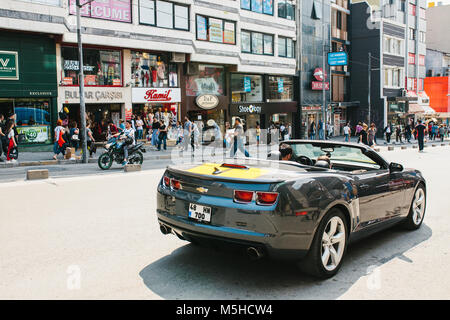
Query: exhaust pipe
{"points": [[164, 229], [254, 253]]}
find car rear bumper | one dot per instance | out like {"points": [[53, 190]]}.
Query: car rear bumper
{"points": [[266, 235]]}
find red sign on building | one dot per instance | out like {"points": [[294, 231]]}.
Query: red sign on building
{"points": [[317, 85]]}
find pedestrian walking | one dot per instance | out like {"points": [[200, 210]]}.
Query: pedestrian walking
{"points": [[90, 141], [139, 128], [420, 129], [2, 136], [60, 143], [441, 132], [371, 135], [321, 129], [238, 139], [312, 130], [282, 131], [347, 132], [408, 133], [74, 136], [155, 126], [162, 135], [358, 130], [218, 139], [258, 133], [363, 135], [398, 134], [12, 143], [187, 133]]}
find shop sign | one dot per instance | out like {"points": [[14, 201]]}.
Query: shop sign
{"points": [[250, 109], [68, 81], [319, 75], [247, 84], [164, 95], [207, 101], [9, 65], [73, 65], [280, 85], [94, 95], [40, 93], [128, 112], [115, 10], [312, 108], [337, 58], [317, 85], [33, 134]]}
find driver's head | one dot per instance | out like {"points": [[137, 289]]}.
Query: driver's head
{"points": [[128, 124], [286, 152], [324, 159]]}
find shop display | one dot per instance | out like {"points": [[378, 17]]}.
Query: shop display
{"points": [[152, 70], [209, 80]]}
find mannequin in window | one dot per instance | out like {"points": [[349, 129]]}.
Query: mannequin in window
{"points": [[161, 70], [154, 76]]}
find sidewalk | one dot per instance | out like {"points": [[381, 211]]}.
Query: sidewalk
{"points": [[45, 158]]}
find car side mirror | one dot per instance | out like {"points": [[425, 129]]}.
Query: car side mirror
{"points": [[395, 167]]}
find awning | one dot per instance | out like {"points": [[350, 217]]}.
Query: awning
{"points": [[417, 108]]}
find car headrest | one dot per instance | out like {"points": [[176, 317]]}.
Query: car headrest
{"points": [[322, 164], [274, 155]]}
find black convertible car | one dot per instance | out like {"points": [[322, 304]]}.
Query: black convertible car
{"points": [[297, 209]]}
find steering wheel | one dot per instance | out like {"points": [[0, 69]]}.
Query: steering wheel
{"points": [[305, 160]]}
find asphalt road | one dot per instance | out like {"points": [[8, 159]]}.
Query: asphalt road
{"points": [[96, 236]]}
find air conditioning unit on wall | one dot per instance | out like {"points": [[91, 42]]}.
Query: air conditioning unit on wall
{"points": [[192, 68], [178, 57]]}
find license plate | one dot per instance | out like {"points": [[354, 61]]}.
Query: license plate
{"points": [[200, 213]]}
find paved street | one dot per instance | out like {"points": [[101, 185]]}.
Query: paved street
{"points": [[96, 236]]}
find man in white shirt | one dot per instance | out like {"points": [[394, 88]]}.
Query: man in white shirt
{"points": [[347, 131]]}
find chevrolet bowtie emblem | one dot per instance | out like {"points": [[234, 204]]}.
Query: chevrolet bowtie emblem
{"points": [[202, 190]]}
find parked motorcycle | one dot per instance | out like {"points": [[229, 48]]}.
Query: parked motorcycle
{"points": [[114, 152]]}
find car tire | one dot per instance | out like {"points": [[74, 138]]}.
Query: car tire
{"points": [[417, 211], [327, 251]]}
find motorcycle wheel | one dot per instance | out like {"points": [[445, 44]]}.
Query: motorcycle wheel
{"points": [[105, 161], [137, 158]]}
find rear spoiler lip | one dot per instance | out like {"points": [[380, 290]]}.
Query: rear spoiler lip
{"points": [[225, 179]]}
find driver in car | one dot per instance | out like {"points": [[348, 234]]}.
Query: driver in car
{"points": [[323, 161], [285, 152]]}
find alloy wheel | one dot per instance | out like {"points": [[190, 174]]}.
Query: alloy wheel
{"points": [[333, 243], [418, 206]]}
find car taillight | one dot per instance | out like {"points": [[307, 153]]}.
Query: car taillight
{"points": [[166, 181], [243, 196], [175, 184], [266, 198]]}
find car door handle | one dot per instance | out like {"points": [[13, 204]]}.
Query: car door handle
{"points": [[364, 186]]}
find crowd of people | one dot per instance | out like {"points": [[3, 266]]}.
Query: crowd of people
{"points": [[402, 132]]}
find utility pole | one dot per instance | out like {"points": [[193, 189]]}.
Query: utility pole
{"points": [[324, 107], [81, 83], [369, 70]]}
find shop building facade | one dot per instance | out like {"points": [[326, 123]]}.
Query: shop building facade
{"points": [[28, 86], [150, 55]]}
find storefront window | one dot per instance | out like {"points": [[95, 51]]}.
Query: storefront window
{"points": [[246, 88], [32, 118], [280, 89], [101, 67], [152, 70], [208, 80]]}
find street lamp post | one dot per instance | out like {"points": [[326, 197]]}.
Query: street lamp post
{"points": [[81, 83]]}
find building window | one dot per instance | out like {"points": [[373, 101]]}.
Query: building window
{"points": [[101, 67], [422, 13], [164, 14], [286, 9], [411, 58], [393, 46], [412, 9], [259, 6], [280, 89], [286, 47], [216, 30], [152, 70], [402, 5], [246, 88], [57, 3], [392, 77], [209, 79], [412, 34], [338, 19], [420, 84], [317, 10], [421, 60], [422, 36], [256, 43]]}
